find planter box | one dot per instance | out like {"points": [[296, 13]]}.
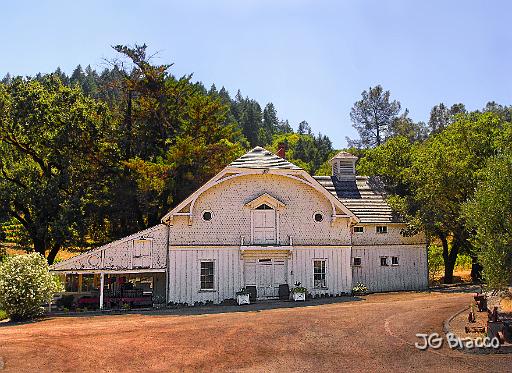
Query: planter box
{"points": [[299, 297], [242, 299]]}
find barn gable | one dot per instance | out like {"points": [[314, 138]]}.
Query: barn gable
{"points": [[146, 249], [260, 161]]}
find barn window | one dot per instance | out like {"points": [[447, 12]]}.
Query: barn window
{"points": [[318, 217], [394, 260], [88, 283], [319, 274], [71, 283], [207, 275], [358, 230], [356, 262], [382, 229], [207, 215], [384, 261]]}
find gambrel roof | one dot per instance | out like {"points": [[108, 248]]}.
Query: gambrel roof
{"points": [[363, 196], [262, 158]]}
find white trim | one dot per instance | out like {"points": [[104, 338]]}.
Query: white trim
{"points": [[326, 287], [299, 175], [265, 198], [102, 286], [211, 215], [215, 280], [321, 214], [106, 271]]}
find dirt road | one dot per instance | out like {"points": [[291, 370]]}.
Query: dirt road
{"points": [[375, 334]]}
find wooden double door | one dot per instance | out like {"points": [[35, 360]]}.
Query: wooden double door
{"points": [[266, 274]]}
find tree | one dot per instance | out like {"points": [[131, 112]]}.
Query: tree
{"points": [[441, 116], [270, 124], [429, 182], [404, 126], [489, 215], [304, 128], [54, 153], [372, 116], [177, 136], [25, 285]]}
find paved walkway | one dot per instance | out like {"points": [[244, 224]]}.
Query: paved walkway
{"points": [[375, 333]]}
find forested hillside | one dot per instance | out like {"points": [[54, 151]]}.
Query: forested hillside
{"points": [[94, 156]]}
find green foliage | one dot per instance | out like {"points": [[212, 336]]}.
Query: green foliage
{"points": [[430, 181], [359, 288], [489, 214], [25, 285], [54, 144], [3, 315], [305, 150], [372, 117], [435, 262]]}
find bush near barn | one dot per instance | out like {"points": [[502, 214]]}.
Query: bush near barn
{"points": [[25, 285]]}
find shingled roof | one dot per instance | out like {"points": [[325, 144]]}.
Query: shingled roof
{"points": [[363, 196], [262, 158]]}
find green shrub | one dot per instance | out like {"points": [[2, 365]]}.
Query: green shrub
{"points": [[3, 315], [25, 285], [435, 262]]}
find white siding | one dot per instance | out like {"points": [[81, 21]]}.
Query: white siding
{"points": [[339, 275], [185, 270], [410, 274]]}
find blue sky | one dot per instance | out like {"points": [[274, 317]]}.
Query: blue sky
{"points": [[312, 59]]}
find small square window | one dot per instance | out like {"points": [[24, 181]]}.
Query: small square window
{"points": [[358, 229], [394, 260], [207, 275], [382, 229], [356, 262], [384, 261]]}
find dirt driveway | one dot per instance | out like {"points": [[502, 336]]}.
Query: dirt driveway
{"points": [[374, 334]]}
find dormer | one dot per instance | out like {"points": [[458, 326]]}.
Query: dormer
{"points": [[344, 166]]}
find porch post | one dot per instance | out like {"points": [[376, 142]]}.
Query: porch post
{"points": [[102, 283]]}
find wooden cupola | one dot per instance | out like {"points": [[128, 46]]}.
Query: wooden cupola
{"points": [[344, 166]]}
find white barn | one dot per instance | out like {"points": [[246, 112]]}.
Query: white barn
{"points": [[261, 223]]}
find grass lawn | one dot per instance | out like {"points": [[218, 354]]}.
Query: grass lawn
{"points": [[3, 314]]}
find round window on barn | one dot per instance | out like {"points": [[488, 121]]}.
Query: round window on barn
{"points": [[318, 217], [207, 215]]}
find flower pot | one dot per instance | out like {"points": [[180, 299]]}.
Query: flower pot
{"points": [[242, 299], [299, 297]]}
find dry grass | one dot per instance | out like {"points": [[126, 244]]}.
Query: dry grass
{"points": [[506, 304], [62, 255]]}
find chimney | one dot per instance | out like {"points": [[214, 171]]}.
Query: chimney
{"points": [[344, 166], [281, 150]]}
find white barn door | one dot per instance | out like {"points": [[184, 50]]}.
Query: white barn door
{"points": [[264, 225], [270, 273]]}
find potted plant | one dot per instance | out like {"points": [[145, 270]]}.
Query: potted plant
{"points": [[360, 289], [299, 292], [242, 297]]}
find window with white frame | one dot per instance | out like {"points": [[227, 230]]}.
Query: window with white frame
{"points": [[384, 261], [394, 260], [382, 229], [356, 261], [319, 274], [358, 229], [207, 275]]}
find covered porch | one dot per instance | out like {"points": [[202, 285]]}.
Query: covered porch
{"points": [[126, 289]]}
